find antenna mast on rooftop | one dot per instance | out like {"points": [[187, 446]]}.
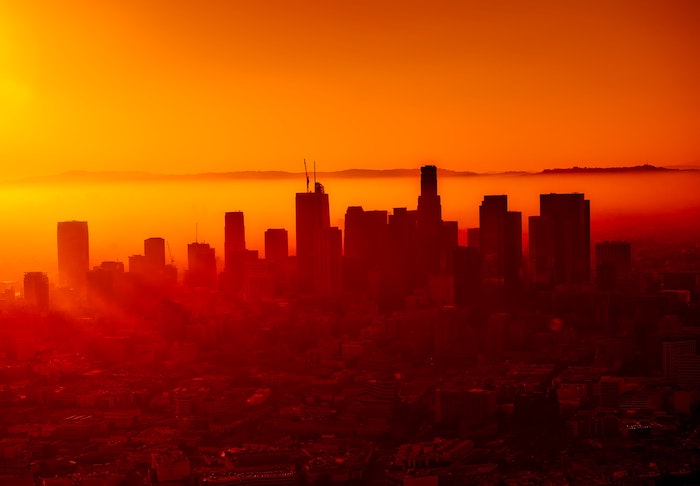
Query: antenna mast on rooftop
{"points": [[307, 176]]}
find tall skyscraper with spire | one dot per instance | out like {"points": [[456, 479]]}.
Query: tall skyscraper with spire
{"points": [[318, 245]]}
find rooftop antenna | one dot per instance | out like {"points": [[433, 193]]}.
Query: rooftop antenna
{"points": [[314, 175], [307, 176]]}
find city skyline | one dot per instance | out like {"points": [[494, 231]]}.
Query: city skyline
{"points": [[349, 243], [180, 207]]}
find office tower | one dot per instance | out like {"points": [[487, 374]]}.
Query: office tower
{"points": [[329, 272], [201, 265], [154, 253], [560, 240], [429, 207], [429, 228], [513, 248], [402, 268], [671, 352], [541, 242], [613, 264], [138, 265], [73, 253], [500, 241], [234, 239], [277, 257], [366, 249], [319, 247], [276, 245], [106, 282], [36, 290]]}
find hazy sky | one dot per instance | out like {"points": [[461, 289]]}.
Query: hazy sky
{"points": [[183, 86]]}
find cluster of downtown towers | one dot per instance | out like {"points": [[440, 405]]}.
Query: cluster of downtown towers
{"points": [[387, 257]]}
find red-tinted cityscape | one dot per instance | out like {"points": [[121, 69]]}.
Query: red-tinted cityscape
{"points": [[389, 352], [349, 242]]}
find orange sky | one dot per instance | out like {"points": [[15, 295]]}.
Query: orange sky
{"points": [[184, 86]]}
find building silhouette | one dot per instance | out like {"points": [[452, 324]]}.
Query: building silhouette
{"points": [[366, 249], [500, 241], [276, 245], [277, 257], [560, 241], [154, 254], [73, 253], [234, 240], [429, 224], [319, 246], [201, 266], [36, 290]]}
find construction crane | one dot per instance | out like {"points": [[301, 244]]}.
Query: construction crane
{"points": [[307, 176], [172, 260]]}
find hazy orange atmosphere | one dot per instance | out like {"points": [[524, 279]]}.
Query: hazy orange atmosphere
{"points": [[180, 86], [349, 242]]}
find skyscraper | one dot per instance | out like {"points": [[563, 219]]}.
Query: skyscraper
{"points": [[276, 245], [201, 265], [560, 240], [277, 256], [73, 253], [154, 253], [429, 206], [36, 290], [500, 235], [234, 238], [430, 227], [366, 246], [319, 247]]}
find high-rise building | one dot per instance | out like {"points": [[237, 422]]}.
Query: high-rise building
{"points": [[366, 248], [500, 235], [138, 265], [560, 240], [276, 245], [402, 268], [319, 247], [154, 253], [36, 290], [73, 253], [201, 265], [613, 264], [429, 206], [277, 258], [429, 225], [106, 281], [234, 240]]}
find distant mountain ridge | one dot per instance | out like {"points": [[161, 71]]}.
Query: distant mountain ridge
{"points": [[137, 176]]}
